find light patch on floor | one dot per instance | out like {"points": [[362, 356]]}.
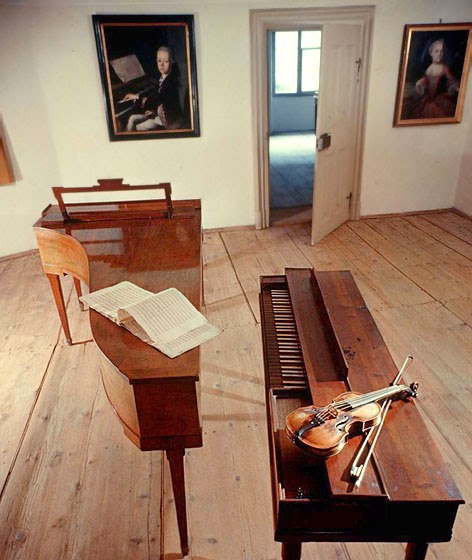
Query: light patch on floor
{"points": [[292, 166]]}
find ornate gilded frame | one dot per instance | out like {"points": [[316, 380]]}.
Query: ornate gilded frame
{"points": [[127, 47], [433, 91]]}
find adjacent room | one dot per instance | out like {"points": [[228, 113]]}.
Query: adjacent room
{"points": [[236, 272], [294, 70]]}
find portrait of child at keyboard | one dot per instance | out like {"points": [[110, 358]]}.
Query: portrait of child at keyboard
{"points": [[160, 107]]}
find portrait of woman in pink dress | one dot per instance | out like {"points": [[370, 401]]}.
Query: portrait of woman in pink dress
{"points": [[432, 74], [436, 91]]}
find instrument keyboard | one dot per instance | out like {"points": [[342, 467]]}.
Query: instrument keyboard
{"points": [[285, 364]]}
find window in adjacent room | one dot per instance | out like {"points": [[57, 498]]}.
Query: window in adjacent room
{"points": [[296, 62]]}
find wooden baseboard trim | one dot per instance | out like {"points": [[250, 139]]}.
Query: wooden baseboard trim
{"points": [[400, 214], [18, 255], [253, 227], [461, 213], [229, 228]]}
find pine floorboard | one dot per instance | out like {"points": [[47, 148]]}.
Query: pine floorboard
{"points": [[73, 486]]}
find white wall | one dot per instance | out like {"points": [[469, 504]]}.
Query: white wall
{"points": [[463, 199], [417, 167], [53, 114], [289, 114]]}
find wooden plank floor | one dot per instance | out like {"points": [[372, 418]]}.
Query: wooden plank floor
{"points": [[73, 487]]}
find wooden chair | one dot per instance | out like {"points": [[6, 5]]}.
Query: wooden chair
{"points": [[60, 255]]}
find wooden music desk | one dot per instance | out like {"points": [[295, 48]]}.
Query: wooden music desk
{"points": [[155, 398], [407, 494]]}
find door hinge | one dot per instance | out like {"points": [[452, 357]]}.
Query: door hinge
{"points": [[359, 64], [349, 197]]}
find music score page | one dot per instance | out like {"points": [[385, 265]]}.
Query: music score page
{"points": [[167, 320]]}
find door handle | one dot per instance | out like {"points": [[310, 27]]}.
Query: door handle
{"points": [[323, 142]]}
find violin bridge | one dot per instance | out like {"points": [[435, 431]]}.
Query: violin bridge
{"points": [[332, 410]]}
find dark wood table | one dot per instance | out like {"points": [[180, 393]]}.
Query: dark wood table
{"points": [[155, 398]]}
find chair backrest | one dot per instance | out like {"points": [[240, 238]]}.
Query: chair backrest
{"points": [[62, 254]]}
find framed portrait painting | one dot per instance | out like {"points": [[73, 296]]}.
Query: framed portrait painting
{"points": [[149, 75], [433, 74]]}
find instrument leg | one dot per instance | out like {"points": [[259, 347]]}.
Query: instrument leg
{"points": [[176, 464], [61, 307], [291, 550], [416, 550], [78, 289]]}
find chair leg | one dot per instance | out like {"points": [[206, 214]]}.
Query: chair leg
{"points": [[61, 308], [78, 289]]}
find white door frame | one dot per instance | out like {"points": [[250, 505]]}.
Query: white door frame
{"points": [[263, 21]]}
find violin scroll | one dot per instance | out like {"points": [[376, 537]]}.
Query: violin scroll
{"points": [[413, 390]]}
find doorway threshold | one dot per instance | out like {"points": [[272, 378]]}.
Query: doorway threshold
{"points": [[290, 216]]}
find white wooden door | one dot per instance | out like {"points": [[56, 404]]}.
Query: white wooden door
{"points": [[338, 115]]}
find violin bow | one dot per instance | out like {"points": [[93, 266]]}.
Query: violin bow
{"points": [[357, 471]]}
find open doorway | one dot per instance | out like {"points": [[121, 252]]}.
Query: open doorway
{"points": [[346, 43], [293, 70]]}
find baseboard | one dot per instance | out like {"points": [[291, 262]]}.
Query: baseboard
{"points": [[463, 214], [253, 227], [229, 228], [400, 214], [18, 255]]}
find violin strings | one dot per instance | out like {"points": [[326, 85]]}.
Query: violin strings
{"points": [[358, 401]]}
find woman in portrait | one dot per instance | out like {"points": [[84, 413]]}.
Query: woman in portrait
{"points": [[434, 94]]}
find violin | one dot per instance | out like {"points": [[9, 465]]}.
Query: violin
{"points": [[325, 431]]}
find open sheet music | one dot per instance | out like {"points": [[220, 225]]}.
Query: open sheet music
{"points": [[166, 320]]}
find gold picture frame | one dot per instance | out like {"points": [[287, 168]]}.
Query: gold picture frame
{"points": [[149, 75], [433, 74]]}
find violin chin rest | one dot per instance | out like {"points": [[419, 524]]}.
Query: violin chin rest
{"points": [[304, 445]]}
